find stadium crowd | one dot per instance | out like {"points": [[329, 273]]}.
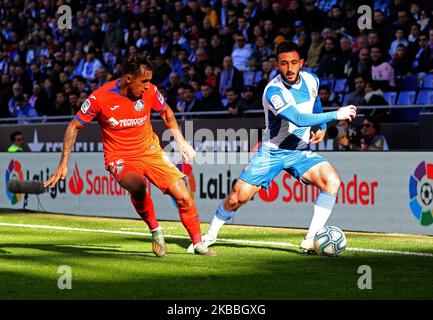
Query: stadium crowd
{"points": [[213, 55]]}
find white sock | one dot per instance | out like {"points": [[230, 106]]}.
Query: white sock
{"points": [[321, 215], [215, 225], [156, 229]]}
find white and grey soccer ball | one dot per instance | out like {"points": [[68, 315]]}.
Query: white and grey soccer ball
{"points": [[330, 241], [426, 194]]}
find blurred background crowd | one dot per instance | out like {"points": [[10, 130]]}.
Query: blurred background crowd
{"points": [[214, 55]]}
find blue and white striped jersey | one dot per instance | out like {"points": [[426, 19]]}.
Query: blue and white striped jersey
{"points": [[279, 96]]}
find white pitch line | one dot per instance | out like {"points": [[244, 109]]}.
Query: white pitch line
{"points": [[238, 241]]}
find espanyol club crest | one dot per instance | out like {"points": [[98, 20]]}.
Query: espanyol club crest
{"points": [[314, 93], [138, 105]]}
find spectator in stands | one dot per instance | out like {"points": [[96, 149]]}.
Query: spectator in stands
{"points": [[426, 57], [400, 62], [189, 102], [39, 101], [261, 50], [113, 36], [399, 39], [421, 64], [313, 55], [382, 26], [90, 65], [22, 110], [381, 71], [363, 66], [217, 51], [249, 100], [345, 143], [5, 95], [374, 97], [329, 58], [357, 97], [425, 20], [61, 105], [404, 21], [74, 102], [232, 105], [229, 77], [268, 73], [17, 142], [210, 100], [372, 139], [328, 98], [173, 86], [161, 70], [346, 62], [241, 53]]}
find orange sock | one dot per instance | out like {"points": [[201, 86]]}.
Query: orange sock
{"points": [[146, 211], [191, 221]]}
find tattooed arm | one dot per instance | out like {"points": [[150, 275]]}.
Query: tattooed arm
{"points": [[68, 142], [185, 148]]}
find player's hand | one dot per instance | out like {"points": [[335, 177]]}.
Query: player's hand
{"points": [[61, 173], [346, 113], [187, 151], [317, 136]]}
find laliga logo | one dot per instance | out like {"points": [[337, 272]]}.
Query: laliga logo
{"points": [[421, 193], [14, 172], [76, 184]]}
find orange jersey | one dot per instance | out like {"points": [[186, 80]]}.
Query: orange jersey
{"points": [[125, 124]]}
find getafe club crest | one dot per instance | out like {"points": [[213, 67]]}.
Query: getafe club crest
{"points": [[138, 105]]}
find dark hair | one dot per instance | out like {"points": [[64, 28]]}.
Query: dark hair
{"points": [[375, 123], [14, 135], [134, 62], [325, 87], [286, 46]]}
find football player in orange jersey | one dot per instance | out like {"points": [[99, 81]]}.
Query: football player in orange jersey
{"points": [[131, 149]]}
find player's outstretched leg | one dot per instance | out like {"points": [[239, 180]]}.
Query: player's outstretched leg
{"points": [[189, 216], [242, 192], [325, 177], [143, 205]]}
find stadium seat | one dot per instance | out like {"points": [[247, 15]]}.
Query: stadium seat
{"points": [[406, 98], [408, 83], [340, 85], [390, 96], [428, 81], [425, 97], [328, 82], [345, 99]]}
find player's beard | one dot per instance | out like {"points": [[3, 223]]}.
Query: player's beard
{"points": [[291, 82]]}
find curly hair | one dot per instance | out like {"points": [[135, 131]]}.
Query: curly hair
{"points": [[133, 63]]}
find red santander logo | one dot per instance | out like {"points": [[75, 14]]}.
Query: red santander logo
{"points": [[271, 194], [76, 184]]}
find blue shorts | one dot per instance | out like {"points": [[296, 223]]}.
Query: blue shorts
{"points": [[267, 163]]}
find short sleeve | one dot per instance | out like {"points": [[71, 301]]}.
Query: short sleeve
{"points": [[274, 96], [89, 110], [159, 101]]}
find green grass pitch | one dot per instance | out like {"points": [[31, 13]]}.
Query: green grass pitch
{"points": [[121, 265]]}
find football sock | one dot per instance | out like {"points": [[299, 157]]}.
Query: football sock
{"points": [[146, 211], [322, 210], [191, 221], [220, 217]]}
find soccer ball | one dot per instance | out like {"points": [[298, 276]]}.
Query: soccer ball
{"points": [[329, 241]]}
